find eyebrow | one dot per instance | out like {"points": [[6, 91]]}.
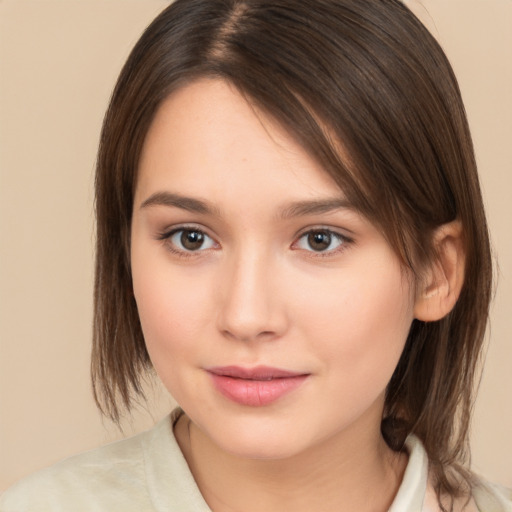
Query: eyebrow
{"points": [[294, 209], [178, 201], [315, 207]]}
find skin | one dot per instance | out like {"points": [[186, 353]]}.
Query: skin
{"points": [[256, 293]]}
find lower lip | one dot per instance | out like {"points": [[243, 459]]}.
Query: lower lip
{"points": [[256, 393]]}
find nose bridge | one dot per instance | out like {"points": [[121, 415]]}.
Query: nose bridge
{"points": [[249, 308]]}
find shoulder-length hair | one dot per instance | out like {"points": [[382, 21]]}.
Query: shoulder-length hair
{"points": [[361, 75]]}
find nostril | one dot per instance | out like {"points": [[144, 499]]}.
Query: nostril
{"points": [[247, 335]]}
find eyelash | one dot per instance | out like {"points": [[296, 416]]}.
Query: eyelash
{"points": [[167, 236], [343, 240]]}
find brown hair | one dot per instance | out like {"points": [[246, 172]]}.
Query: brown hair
{"points": [[361, 74]]}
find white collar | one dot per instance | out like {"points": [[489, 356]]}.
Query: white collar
{"points": [[412, 491]]}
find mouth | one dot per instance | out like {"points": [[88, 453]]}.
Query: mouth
{"points": [[256, 386]]}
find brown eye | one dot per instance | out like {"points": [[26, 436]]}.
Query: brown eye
{"points": [[321, 240], [190, 240]]}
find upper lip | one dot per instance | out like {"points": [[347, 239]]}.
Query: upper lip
{"points": [[254, 373]]}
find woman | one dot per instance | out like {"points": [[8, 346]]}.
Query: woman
{"points": [[291, 233]]}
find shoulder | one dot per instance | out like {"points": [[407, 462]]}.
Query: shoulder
{"points": [[491, 497], [108, 478], [417, 491]]}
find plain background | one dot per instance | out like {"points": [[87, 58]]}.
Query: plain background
{"points": [[58, 64]]}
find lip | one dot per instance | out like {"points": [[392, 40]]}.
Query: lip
{"points": [[257, 386]]}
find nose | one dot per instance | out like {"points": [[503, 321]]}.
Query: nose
{"points": [[250, 307]]}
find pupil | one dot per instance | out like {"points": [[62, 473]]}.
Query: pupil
{"points": [[192, 240], [319, 240]]}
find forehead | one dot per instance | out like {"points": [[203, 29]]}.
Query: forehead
{"points": [[208, 140]]}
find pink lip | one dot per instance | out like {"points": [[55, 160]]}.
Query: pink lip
{"points": [[256, 386]]}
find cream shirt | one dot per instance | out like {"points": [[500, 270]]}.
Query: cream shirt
{"points": [[148, 473]]}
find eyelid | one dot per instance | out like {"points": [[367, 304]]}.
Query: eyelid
{"points": [[346, 241], [166, 235], [170, 230]]}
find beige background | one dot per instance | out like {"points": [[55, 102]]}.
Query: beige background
{"points": [[59, 61]]}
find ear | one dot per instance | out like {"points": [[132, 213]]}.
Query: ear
{"points": [[440, 287]]}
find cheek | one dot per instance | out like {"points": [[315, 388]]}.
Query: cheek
{"points": [[171, 310], [170, 313], [360, 322]]}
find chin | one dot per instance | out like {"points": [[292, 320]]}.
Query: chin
{"points": [[262, 438]]}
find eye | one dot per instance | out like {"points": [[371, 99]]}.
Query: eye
{"points": [[320, 240], [190, 240]]}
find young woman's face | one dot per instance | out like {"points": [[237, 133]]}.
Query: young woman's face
{"points": [[273, 312]]}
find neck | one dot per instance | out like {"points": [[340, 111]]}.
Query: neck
{"points": [[354, 471]]}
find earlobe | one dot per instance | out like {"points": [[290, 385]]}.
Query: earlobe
{"points": [[439, 291]]}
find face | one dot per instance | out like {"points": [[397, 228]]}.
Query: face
{"points": [[273, 312]]}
